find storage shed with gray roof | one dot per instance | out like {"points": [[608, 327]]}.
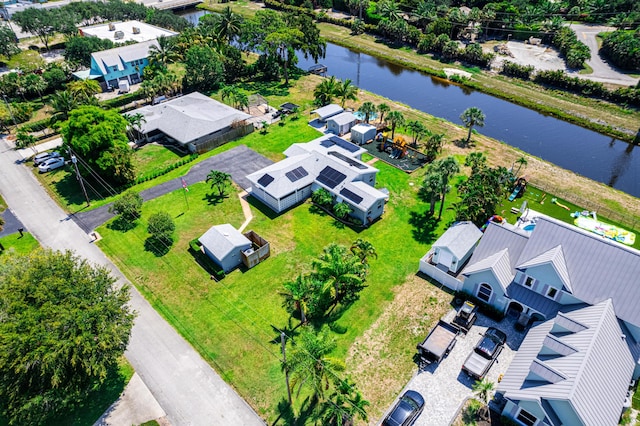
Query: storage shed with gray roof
{"points": [[223, 244]]}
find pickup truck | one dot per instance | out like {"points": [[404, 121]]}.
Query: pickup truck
{"points": [[438, 343], [485, 353]]}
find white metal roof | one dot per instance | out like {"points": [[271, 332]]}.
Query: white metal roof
{"points": [[221, 240], [147, 32]]}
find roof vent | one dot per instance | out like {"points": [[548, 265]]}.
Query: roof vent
{"points": [[112, 27], [136, 30], [118, 35]]}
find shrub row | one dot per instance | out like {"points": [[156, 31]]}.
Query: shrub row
{"points": [[512, 69], [167, 169], [36, 126], [123, 99], [574, 51]]}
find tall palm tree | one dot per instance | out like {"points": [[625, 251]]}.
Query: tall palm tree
{"points": [[343, 405], [134, 124], [309, 362], [84, 90], [482, 388], [417, 129], [368, 109], [472, 117], [326, 91], [434, 146], [383, 109], [431, 189], [62, 103], [388, 9], [342, 274], [521, 162], [475, 160], [164, 53], [363, 249], [229, 93], [228, 24], [396, 119], [346, 91], [296, 296], [446, 168]]}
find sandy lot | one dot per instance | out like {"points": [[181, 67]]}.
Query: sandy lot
{"points": [[542, 57]]}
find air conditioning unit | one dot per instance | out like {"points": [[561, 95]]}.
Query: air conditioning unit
{"points": [[112, 27], [119, 35], [136, 30]]}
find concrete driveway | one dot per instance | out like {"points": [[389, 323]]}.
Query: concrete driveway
{"points": [[445, 387], [185, 386]]}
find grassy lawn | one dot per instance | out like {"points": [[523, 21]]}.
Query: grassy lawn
{"points": [[20, 245], [152, 157]]}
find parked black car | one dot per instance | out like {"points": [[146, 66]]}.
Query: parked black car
{"points": [[406, 410]]}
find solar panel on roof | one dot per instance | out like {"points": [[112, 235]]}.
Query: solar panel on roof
{"points": [[265, 180], [344, 144], [351, 196], [296, 174], [349, 161], [327, 143], [330, 177]]}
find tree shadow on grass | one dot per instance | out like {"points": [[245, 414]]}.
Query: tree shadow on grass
{"points": [[214, 199], [424, 226], [158, 246], [287, 415], [122, 225], [290, 330]]}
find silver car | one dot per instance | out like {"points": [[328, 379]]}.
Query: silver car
{"points": [[44, 156], [51, 164]]}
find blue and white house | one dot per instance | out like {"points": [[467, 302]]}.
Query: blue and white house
{"points": [[127, 63]]}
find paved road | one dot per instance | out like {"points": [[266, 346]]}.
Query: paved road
{"points": [[602, 71], [238, 162], [186, 387]]}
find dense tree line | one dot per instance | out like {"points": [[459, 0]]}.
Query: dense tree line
{"points": [[622, 48]]}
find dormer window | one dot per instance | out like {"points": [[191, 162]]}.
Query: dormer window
{"points": [[528, 282], [552, 292]]}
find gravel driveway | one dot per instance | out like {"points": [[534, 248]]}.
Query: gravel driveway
{"points": [[445, 387]]}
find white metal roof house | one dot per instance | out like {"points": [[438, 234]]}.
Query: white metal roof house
{"points": [[327, 111], [121, 32], [586, 289], [342, 123], [362, 133], [224, 244], [328, 162], [193, 121]]}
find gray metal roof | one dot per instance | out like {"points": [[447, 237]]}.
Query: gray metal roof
{"points": [[221, 240], [597, 268], [119, 55], [343, 118], [328, 111], [498, 263], [189, 117], [556, 259], [459, 238], [495, 239], [593, 378], [534, 300]]}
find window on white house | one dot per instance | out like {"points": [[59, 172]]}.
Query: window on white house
{"points": [[552, 292], [526, 418], [484, 292], [528, 282]]}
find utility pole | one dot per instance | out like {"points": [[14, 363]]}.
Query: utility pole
{"points": [[286, 370], [74, 160]]}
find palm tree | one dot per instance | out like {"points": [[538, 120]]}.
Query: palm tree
{"points": [[229, 93], [344, 403], [342, 274], [475, 160], [417, 129], [482, 388], [227, 24], [425, 12], [433, 146], [326, 91], [363, 249], [383, 109], [446, 168], [388, 9], [218, 180], [368, 109], [472, 117], [84, 90], [134, 124], [346, 91], [296, 296], [522, 161], [309, 362], [62, 103], [164, 53], [242, 101], [341, 210], [431, 189], [396, 119], [35, 84]]}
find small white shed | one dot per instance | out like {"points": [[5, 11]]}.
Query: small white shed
{"points": [[341, 123], [327, 111], [361, 133], [223, 244], [455, 246]]}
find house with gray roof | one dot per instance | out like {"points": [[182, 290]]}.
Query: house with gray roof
{"points": [[328, 162], [573, 369], [581, 359], [224, 245], [194, 122], [450, 252], [341, 123], [327, 111]]}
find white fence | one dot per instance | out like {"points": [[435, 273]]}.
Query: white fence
{"points": [[439, 275]]}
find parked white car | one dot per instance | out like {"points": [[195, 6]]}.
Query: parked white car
{"points": [[51, 164], [44, 156]]}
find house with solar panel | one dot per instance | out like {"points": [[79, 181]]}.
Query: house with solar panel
{"points": [[328, 162], [580, 295]]}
